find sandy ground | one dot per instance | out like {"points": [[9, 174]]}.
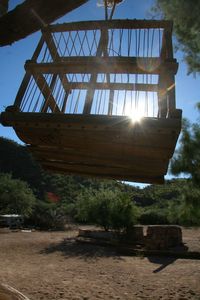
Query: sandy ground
{"points": [[51, 265]]}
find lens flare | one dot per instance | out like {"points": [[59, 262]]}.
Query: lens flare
{"points": [[136, 116]]}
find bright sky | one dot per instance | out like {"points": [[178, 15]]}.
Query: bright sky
{"points": [[12, 58]]}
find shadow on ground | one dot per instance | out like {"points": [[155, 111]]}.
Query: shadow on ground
{"points": [[166, 261], [162, 261], [70, 248]]}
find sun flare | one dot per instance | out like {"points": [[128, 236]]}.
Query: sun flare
{"points": [[136, 116]]}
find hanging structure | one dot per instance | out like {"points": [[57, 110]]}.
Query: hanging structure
{"points": [[98, 99]]}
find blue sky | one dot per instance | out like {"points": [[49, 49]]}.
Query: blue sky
{"points": [[12, 59]]}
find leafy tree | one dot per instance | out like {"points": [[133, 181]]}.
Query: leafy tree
{"points": [[124, 213], [154, 215], [187, 157], [107, 209], [186, 211], [187, 160], [16, 160], [15, 196], [185, 15], [46, 215]]}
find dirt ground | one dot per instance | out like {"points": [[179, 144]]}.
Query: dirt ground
{"points": [[51, 265]]}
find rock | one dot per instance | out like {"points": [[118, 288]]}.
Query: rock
{"points": [[135, 234], [161, 237]]}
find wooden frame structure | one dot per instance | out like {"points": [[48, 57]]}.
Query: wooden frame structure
{"points": [[86, 141]]}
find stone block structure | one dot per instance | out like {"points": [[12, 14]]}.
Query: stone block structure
{"points": [[161, 237]]}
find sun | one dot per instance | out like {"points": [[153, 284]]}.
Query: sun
{"points": [[136, 116]]}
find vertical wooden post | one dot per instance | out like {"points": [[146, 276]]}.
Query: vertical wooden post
{"points": [[166, 84], [102, 48], [162, 96]]}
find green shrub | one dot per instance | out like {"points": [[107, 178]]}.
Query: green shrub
{"points": [[47, 216], [153, 217], [108, 209], [15, 196]]}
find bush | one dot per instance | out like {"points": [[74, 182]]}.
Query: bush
{"points": [[153, 217], [47, 216], [108, 209], [15, 196]]}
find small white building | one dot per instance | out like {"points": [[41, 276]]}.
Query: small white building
{"points": [[11, 220]]}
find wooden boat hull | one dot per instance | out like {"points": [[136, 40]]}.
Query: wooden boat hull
{"points": [[104, 146]]}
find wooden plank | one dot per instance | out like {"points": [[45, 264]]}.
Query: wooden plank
{"points": [[114, 65], [110, 150], [22, 89], [119, 175], [96, 122], [55, 55], [46, 91], [128, 151], [101, 49], [109, 167], [113, 86], [31, 16], [134, 178], [167, 47], [38, 49], [111, 24], [129, 162], [102, 169], [85, 136], [162, 96]]}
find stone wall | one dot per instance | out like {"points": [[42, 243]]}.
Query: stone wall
{"points": [[160, 237]]}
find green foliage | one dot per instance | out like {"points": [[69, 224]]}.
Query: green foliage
{"points": [[106, 203], [187, 161], [186, 211], [47, 216], [187, 157], [15, 196], [17, 161], [185, 15], [154, 216], [107, 209]]}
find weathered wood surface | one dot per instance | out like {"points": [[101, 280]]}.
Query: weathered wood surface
{"points": [[31, 16], [113, 86], [105, 146], [9, 293], [112, 24], [115, 65]]}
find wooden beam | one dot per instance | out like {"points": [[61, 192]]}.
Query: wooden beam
{"points": [[47, 93], [106, 168], [56, 57], [113, 86], [115, 65], [123, 144], [111, 24], [101, 49], [97, 122], [167, 47], [119, 174], [135, 160], [31, 16], [133, 177]]}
